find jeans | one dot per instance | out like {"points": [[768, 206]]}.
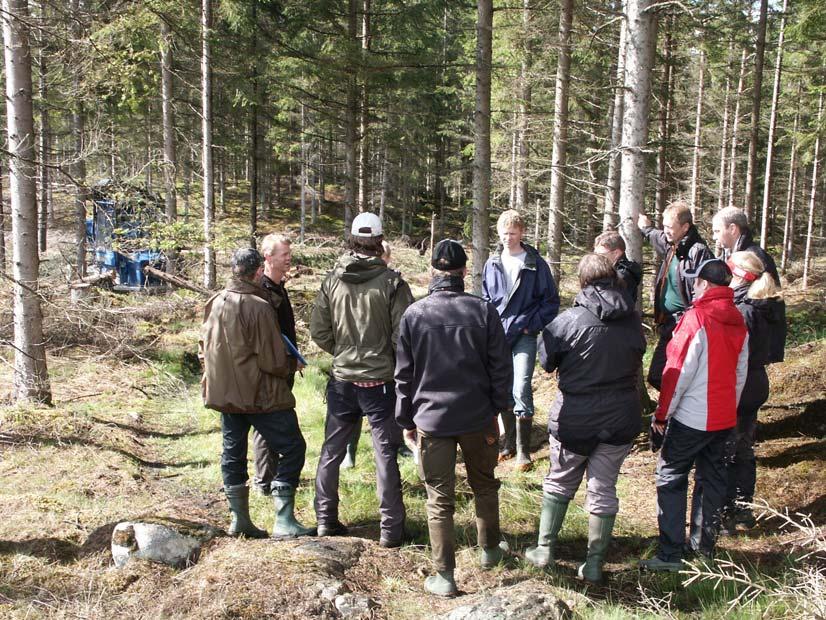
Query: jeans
{"points": [[683, 447], [523, 354], [437, 466], [346, 404], [281, 432]]}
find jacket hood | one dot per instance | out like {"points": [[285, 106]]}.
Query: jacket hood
{"points": [[605, 300], [244, 287], [770, 308], [354, 269], [718, 303], [684, 244], [744, 241]]}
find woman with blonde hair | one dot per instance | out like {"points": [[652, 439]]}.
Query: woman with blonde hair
{"points": [[758, 300]]}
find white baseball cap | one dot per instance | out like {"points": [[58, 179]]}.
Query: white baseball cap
{"points": [[366, 225]]}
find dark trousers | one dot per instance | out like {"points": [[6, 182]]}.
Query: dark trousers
{"points": [[281, 432], [684, 447], [658, 358], [742, 471], [437, 466], [346, 404], [264, 459]]}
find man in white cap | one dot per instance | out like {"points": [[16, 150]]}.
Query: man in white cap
{"points": [[356, 319]]}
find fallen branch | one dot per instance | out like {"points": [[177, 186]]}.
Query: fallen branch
{"points": [[175, 280]]}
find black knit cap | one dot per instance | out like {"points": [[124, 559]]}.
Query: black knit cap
{"points": [[712, 270], [448, 255]]}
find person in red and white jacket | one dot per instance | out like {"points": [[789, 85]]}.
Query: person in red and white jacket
{"points": [[705, 371]]}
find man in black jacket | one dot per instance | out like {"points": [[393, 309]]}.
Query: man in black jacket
{"points": [[731, 231], [629, 272], [453, 376], [277, 260], [682, 249]]}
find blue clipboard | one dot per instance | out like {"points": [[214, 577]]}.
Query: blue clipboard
{"points": [[293, 350]]}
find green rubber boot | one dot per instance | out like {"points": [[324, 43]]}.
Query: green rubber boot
{"points": [[441, 584], [285, 524], [599, 537], [238, 496], [489, 558], [554, 508]]}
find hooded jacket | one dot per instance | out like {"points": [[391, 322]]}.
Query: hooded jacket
{"points": [[453, 367], [777, 317], [245, 361], [534, 300], [597, 347], [630, 274], [356, 318], [707, 364], [691, 250]]}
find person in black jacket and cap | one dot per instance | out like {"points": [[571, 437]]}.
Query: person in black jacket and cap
{"points": [[597, 348], [453, 376]]}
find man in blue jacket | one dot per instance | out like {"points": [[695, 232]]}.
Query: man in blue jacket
{"points": [[518, 282]]}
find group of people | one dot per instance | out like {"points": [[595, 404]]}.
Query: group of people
{"points": [[446, 371]]}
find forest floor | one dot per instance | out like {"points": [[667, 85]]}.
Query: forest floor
{"points": [[128, 438]]}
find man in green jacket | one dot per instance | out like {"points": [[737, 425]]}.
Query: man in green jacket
{"points": [[245, 378], [356, 319]]}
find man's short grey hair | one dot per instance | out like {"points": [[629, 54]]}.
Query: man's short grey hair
{"points": [[270, 241], [732, 215], [245, 263]]}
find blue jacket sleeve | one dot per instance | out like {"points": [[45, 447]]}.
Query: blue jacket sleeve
{"points": [[546, 298]]}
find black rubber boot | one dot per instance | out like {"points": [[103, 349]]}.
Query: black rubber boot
{"points": [[238, 496], [507, 447]]}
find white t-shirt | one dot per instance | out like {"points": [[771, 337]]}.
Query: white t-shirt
{"points": [[512, 264]]}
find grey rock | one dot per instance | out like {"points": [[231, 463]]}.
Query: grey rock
{"points": [[329, 591], [156, 543], [514, 603], [333, 556], [354, 605]]}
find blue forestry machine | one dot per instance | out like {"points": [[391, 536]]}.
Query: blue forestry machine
{"points": [[118, 234]]}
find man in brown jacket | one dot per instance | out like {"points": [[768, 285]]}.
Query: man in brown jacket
{"points": [[245, 378]]}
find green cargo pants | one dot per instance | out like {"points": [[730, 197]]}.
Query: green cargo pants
{"points": [[437, 466]]}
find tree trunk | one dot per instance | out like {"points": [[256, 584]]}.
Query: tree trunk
{"points": [[170, 161], [350, 119], [812, 197], [481, 158], [661, 187], [641, 38], [512, 184], [31, 376], [303, 191], [253, 144], [612, 186], [735, 123], [385, 173], [2, 228], [788, 224], [756, 98], [364, 139], [767, 181], [43, 160], [206, 133], [559, 154], [696, 205], [524, 110], [79, 172], [721, 181]]}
